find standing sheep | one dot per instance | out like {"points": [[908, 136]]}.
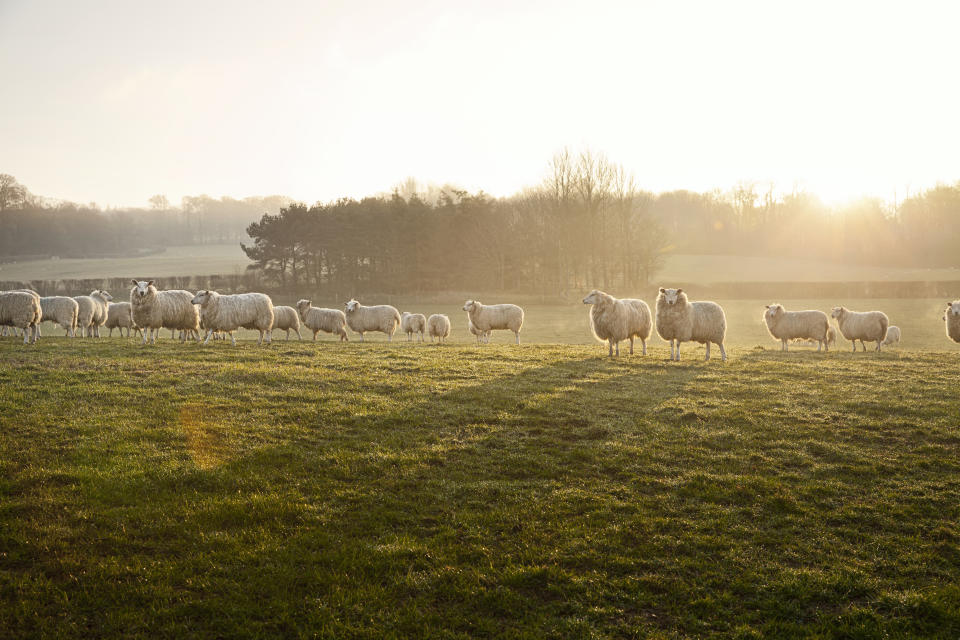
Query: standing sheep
{"points": [[487, 318], [380, 317], [481, 335], [101, 300], [861, 325], [951, 319], [286, 318], [230, 312], [893, 336], [411, 323], [61, 310], [439, 327], [153, 310], [321, 319], [615, 320], [681, 320], [21, 311], [797, 325], [120, 316]]}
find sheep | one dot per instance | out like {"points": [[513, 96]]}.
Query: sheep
{"points": [[861, 325], [486, 318], [153, 310], [681, 320], [286, 318], [101, 299], [411, 323], [61, 310], [614, 320], [86, 309], [893, 335], [230, 312], [831, 339], [12, 330], [792, 325], [120, 316], [438, 327], [481, 335], [21, 310], [951, 320], [321, 319], [381, 317]]}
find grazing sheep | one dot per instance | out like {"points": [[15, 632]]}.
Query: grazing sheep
{"points": [[153, 310], [22, 311], [230, 312], [285, 319], [61, 310], [680, 320], [951, 319], [793, 325], [487, 318], [614, 320], [861, 325], [380, 317], [481, 335], [893, 335], [120, 316], [321, 319], [411, 323], [439, 327]]}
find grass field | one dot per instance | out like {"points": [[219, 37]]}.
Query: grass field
{"points": [[395, 490]]}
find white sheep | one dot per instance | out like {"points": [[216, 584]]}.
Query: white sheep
{"points": [[613, 320], [831, 339], [439, 327], [680, 320], [22, 311], [381, 317], [797, 325], [153, 310], [481, 335], [951, 320], [286, 318], [61, 310], [14, 330], [490, 317], [120, 316], [321, 319], [92, 312], [411, 323], [861, 325], [230, 312], [893, 336]]}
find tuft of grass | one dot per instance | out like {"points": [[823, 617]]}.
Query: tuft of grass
{"points": [[375, 490]]}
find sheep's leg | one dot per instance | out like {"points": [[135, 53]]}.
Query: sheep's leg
{"points": [[723, 353], [678, 349], [233, 340], [26, 335], [315, 336], [644, 343], [631, 345], [209, 334], [878, 345], [517, 333], [863, 345], [708, 351], [783, 345], [854, 345], [299, 337]]}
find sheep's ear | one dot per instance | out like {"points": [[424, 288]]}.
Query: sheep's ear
{"points": [[679, 291], [134, 282], [768, 306], [150, 284], [662, 290]]}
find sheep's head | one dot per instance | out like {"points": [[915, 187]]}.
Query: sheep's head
{"points": [[141, 288], [671, 296], [470, 305], [351, 306], [773, 310], [303, 306], [103, 295], [202, 297], [837, 312], [953, 308], [596, 297]]}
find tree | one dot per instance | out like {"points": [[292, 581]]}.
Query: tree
{"points": [[13, 195]]}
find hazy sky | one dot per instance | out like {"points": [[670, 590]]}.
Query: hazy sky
{"points": [[115, 101]]}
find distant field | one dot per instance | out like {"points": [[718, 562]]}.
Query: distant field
{"points": [[229, 258], [376, 491]]}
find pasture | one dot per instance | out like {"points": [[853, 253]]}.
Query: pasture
{"points": [[396, 490]]}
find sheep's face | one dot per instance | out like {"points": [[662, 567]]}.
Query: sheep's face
{"points": [[201, 298], [670, 296], [352, 306], [594, 297], [773, 310], [837, 312], [303, 306], [141, 288], [954, 308], [469, 306]]}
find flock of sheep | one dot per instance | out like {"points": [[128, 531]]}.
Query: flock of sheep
{"points": [[612, 320]]}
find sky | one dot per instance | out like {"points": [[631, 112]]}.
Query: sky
{"points": [[115, 101]]}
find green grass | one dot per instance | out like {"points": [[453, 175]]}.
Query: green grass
{"points": [[374, 490]]}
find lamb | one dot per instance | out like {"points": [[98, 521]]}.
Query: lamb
{"points": [[486, 318], [320, 319], [230, 312], [286, 318], [153, 310], [861, 325], [893, 335], [120, 316], [439, 327], [614, 320], [792, 325], [681, 320], [481, 335], [381, 317], [951, 319], [61, 310], [411, 323], [21, 310]]}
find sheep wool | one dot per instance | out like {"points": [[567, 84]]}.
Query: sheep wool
{"points": [[952, 320], [101, 300], [492, 317], [797, 325], [679, 320], [893, 336], [22, 311], [61, 310], [119, 316], [614, 320], [413, 323], [322, 319], [439, 327], [480, 335], [286, 319], [861, 325], [153, 310], [231, 312], [380, 317]]}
